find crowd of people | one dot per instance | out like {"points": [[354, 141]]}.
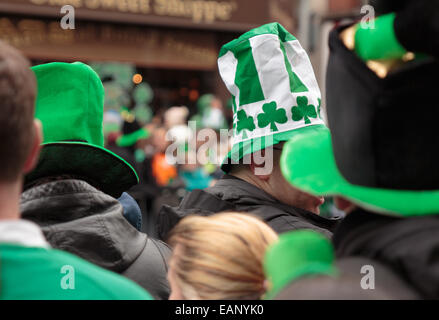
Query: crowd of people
{"points": [[248, 227]]}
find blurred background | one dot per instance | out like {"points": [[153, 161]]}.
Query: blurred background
{"points": [[157, 60]]}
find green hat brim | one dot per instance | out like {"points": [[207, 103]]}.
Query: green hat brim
{"points": [[112, 173], [241, 149], [308, 163]]}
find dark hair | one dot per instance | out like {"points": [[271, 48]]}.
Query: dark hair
{"points": [[17, 106]]}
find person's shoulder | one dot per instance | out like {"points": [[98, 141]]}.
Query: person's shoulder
{"points": [[41, 273], [357, 278], [102, 281], [371, 272], [285, 222]]}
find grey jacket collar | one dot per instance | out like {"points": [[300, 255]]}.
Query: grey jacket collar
{"points": [[231, 188], [78, 218]]}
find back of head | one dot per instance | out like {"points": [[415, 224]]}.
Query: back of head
{"points": [[220, 257], [17, 94]]}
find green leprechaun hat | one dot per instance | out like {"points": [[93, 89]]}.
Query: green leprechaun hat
{"points": [[297, 254], [379, 154], [274, 90], [70, 105]]}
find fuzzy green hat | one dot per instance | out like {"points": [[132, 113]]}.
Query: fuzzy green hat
{"points": [[70, 105], [297, 254], [274, 90]]}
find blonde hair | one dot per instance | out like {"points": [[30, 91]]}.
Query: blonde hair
{"points": [[221, 256]]}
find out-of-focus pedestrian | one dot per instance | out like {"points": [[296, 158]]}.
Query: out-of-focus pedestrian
{"points": [[380, 160], [276, 97], [72, 192], [29, 268]]}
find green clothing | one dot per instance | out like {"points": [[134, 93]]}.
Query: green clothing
{"points": [[29, 273]]}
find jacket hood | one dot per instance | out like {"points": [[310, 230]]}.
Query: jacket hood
{"points": [[409, 246], [239, 191], [80, 219]]}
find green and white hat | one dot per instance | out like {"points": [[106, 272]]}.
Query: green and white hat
{"points": [[274, 90]]}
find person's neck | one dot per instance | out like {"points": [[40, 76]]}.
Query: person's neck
{"points": [[9, 200], [248, 177]]}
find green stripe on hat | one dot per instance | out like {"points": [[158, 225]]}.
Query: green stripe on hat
{"points": [[270, 28], [247, 75], [296, 85]]}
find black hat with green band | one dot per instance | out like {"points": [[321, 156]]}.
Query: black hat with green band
{"points": [[382, 149], [70, 105]]}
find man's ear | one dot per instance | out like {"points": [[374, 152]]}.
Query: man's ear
{"points": [[343, 204], [34, 153]]}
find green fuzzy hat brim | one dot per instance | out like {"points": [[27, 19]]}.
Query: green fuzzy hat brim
{"points": [[308, 163]]}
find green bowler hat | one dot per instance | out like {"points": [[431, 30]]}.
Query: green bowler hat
{"points": [[297, 254], [309, 164], [70, 105], [275, 94]]}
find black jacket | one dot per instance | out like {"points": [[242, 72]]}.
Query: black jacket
{"points": [[347, 284], [82, 220], [233, 194], [408, 246]]}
